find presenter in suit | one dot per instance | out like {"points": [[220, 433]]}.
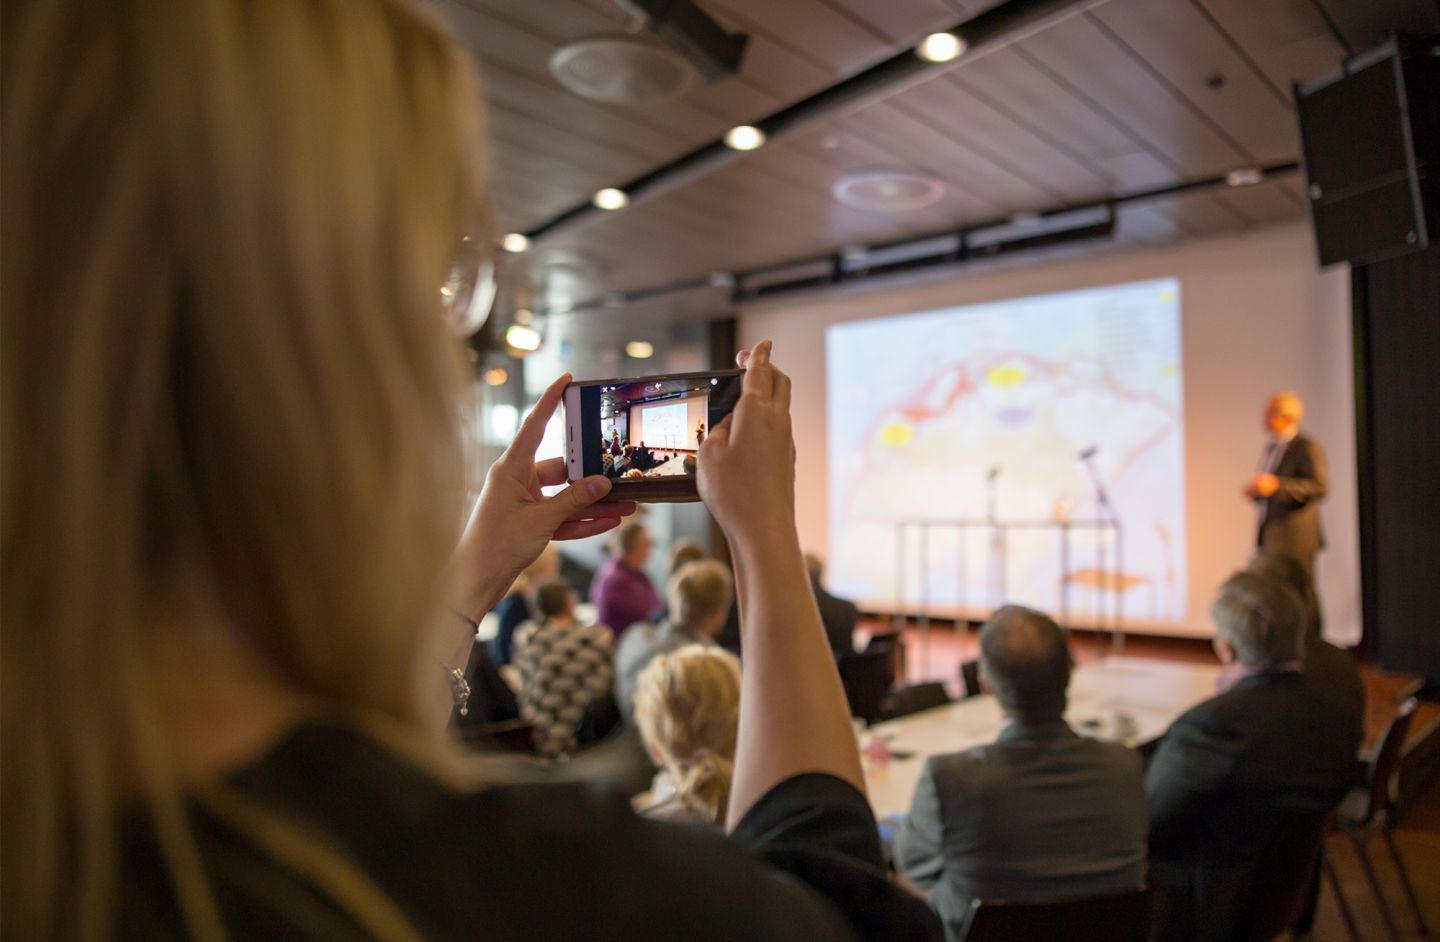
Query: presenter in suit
{"points": [[1290, 484]]}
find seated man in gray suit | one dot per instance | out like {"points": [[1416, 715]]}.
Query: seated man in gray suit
{"points": [[1040, 814]]}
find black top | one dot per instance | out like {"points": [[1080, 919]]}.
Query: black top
{"points": [[525, 861]]}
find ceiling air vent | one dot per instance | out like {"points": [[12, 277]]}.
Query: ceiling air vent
{"points": [[888, 191], [621, 70]]}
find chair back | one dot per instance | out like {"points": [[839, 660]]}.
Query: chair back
{"points": [[1279, 885], [1386, 762], [970, 678], [1117, 918], [915, 698], [866, 678]]}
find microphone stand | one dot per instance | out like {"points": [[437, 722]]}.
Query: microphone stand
{"points": [[997, 539], [1108, 514]]}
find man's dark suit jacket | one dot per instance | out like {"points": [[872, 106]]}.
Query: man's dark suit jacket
{"points": [[1223, 779], [839, 617], [1290, 517], [1042, 813]]}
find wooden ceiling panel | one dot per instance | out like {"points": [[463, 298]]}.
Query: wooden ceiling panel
{"points": [[829, 144], [904, 21], [1265, 203], [993, 131], [928, 149], [1287, 39], [825, 36], [1080, 53], [1198, 213], [1201, 66]]}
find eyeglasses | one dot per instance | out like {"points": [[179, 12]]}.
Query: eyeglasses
{"points": [[469, 291]]}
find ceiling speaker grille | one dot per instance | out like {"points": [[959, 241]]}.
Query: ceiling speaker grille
{"points": [[888, 191], [621, 70]]}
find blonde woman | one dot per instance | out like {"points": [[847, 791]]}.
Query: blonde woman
{"points": [[687, 705], [231, 501]]}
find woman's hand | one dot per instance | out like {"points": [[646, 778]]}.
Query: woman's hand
{"points": [[747, 464], [514, 520]]}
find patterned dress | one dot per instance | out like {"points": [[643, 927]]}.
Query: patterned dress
{"points": [[562, 670]]}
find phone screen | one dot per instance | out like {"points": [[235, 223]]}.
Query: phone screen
{"points": [[645, 434]]}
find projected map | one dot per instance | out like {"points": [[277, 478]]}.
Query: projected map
{"points": [[924, 408]]}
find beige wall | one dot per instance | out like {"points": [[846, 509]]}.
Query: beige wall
{"points": [[1257, 315]]}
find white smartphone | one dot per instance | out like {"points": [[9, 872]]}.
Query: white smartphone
{"points": [[645, 434]]}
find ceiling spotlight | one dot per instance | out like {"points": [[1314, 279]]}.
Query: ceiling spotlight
{"points": [[611, 198], [639, 350], [516, 242], [446, 291], [940, 47], [720, 279], [496, 376], [614, 300], [744, 137], [522, 338], [1244, 176], [524, 316]]}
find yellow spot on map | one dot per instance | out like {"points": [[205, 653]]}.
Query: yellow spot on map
{"points": [[1170, 369], [896, 434], [1006, 376]]}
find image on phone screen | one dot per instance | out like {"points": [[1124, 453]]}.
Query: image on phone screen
{"points": [[645, 434]]}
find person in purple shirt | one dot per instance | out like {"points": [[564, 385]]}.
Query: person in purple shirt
{"points": [[622, 593]]}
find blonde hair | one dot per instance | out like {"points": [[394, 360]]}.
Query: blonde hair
{"points": [[225, 227], [699, 591], [687, 705]]}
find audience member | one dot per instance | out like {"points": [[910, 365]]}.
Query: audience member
{"points": [[699, 597], [564, 667], [515, 608], [622, 592], [687, 706], [840, 617], [1329, 669], [1231, 772], [684, 551], [1041, 813], [235, 467]]}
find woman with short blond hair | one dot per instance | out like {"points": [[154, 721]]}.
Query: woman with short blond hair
{"points": [[687, 706], [232, 505]]}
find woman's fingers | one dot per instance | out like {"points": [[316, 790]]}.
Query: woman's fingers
{"points": [[579, 529], [532, 430], [551, 471]]}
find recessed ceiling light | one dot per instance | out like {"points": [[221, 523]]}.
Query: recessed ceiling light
{"points": [[446, 291], [744, 137], [515, 242], [720, 279], [940, 47], [520, 337], [1244, 176], [611, 198], [496, 376], [639, 350], [614, 300]]}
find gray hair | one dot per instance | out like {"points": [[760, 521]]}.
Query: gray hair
{"points": [[1026, 660], [1262, 618]]}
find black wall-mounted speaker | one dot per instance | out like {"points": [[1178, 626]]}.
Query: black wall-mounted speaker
{"points": [[1370, 139]]}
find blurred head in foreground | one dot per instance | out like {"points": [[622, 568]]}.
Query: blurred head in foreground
{"points": [[232, 407], [1259, 622]]}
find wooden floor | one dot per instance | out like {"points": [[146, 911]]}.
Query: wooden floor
{"points": [[938, 657]]}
